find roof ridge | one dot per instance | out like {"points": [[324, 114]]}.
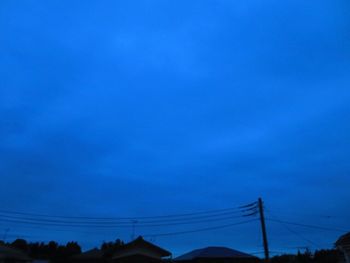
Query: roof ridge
{"points": [[213, 252]]}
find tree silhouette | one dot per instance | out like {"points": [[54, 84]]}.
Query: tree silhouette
{"points": [[20, 244]]}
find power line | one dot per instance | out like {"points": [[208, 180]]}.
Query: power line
{"points": [[169, 233], [298, 234], [301, 236], [125, 222], [294, 212], [200, 230], [114, 225], [74, 223], [120, 218], [56, 230], [308, 226], [253, 204]]}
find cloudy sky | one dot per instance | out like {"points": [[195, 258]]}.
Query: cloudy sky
{"points": [[143, 108]]}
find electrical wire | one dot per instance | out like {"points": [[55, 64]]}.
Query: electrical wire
{"points": [[115, 225], [117, 222], [308, 226], [301, 236], [121, 218], [296, 233], [199, 230]]}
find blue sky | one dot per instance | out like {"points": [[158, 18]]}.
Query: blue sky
{"points": [[139, 108]]}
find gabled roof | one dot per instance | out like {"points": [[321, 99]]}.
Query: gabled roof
{"points": [[343, 240], [213, 252], [12, 253], [141, 243]]}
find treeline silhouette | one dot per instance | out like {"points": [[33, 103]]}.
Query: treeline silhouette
{"points": [[55, 252], [319, 256]]}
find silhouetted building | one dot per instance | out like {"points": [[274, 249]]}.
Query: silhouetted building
{"points": [[11, 255], [343, 244], [140, 251], [216, 255], [137, 251]]}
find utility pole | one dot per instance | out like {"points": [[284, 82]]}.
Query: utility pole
{"points": [[253, 209], [263, 228]]}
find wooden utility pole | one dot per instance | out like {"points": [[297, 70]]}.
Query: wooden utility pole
{"points": [[263, 228]]}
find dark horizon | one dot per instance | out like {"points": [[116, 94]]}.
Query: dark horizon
{"points": [[244, 216]]}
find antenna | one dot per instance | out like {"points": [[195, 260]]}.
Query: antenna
{"points": [[134, 222], [5, 234]]}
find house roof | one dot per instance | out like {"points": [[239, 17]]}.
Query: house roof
{"points": [[141, 243], [12, 253], [343, 240], [213, 252]]}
